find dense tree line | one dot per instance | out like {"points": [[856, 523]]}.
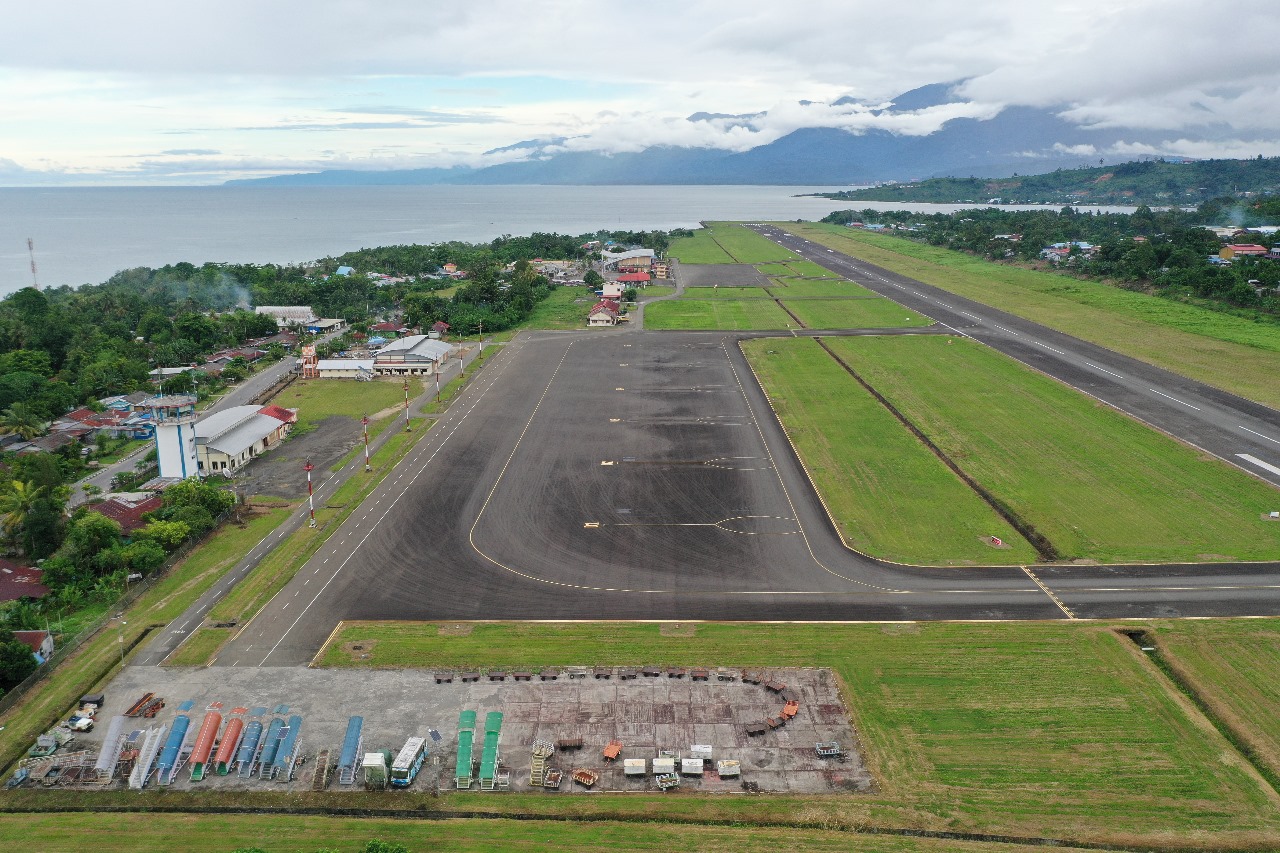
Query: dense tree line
{"points": [[1169, 259]]}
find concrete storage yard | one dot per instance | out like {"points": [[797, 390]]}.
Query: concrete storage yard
{"points": [[646, 714]]}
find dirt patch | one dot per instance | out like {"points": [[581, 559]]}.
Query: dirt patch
{"points": [[1214, 557], [459, 630], [359, 650], [722, 275], [900, 630], [677, 629]]}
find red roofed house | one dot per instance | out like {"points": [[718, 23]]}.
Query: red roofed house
{"points": [[439, 329], [128, 514], [280, 413], [1247, 249], [634, 278], [40, 643], [389, 328], [20, 582], [608, 305]]}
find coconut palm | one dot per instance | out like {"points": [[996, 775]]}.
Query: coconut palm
{"points": [[16, 502], [21, 420]]}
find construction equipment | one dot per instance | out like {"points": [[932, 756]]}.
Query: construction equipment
{"points": [[552, 779], [667, 781], [541, 751], [320, 780], [612, 750]]}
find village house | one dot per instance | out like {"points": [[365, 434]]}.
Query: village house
{"points": [[227, 440], [40, 643]]}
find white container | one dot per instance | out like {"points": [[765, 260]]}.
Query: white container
{"points": [[729, 767], [691, 766], [663, 765], [633, 766], [700, 750]]}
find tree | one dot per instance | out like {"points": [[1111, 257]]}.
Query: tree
{"points": [[16, 503], [167, 534], [16, 660], [593, 279], [89, 534], [21, 420]]}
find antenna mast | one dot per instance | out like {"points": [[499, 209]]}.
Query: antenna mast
{"points": [[31, 250]]}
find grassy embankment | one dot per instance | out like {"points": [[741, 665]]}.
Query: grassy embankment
{"points": [[794, 288], [318, 399], [99, 657], [1226, 351], [1098, 485], [133, 833], [1032, 729], [734, 314], [882, 487]]}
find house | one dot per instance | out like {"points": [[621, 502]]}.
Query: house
{"points": [[632, 259], [634, 278], [439, 329], [126, 512], [227, 440], [601, 316], [323, 327], [40, 643], [661, 270], [160, 374], [288, 315], [611, 290], [1248, 249], [135, 402], [344, 271], [389, 329], [412, 355], [344, 368], [20, 582]]}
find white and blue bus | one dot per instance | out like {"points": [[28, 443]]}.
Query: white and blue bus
{"points": [[407, 764]]}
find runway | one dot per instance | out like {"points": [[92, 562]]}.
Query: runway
{"points": [[628, 474]]}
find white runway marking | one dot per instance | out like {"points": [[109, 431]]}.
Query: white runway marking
{"points": [[1253, 460], [1103, 369], [1260, 435], [1174, 399]]}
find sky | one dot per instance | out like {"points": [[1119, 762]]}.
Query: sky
{"points": [[197, 92]]}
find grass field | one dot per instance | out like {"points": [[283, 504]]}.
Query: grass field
{"points": [[801, 289], [731, 314], [1098, 484], [653, 291], [317, 399], [882, 487], [278, 833], [1234, 667], [725, 293], [1228, 352], [701, 248], [1030, 729], [562, 309], [747, 247], [854, 314]]}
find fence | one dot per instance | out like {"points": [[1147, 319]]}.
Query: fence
{"points": [[69, 646]]}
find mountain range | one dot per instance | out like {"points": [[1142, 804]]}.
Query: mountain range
{"points": [[1025, 140]]}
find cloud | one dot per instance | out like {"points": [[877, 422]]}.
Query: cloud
{"points": [[190, 152]]}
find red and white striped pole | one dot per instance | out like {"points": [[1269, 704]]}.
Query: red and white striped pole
{"points": [[365, 422], [311, 501], [437, 382], [407, 428]]}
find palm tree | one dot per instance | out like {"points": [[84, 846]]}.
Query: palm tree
{"points": [[16, 502], [20, 419]]}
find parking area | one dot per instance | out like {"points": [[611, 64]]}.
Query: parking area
{"points": [[647, 716]]}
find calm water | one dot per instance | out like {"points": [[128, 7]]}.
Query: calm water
{"points": [[84, 235]]}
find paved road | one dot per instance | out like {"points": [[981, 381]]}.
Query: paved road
{"points": [[1239, 431], [642, 475]]}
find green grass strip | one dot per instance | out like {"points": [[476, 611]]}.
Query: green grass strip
{"points": [[854, 314], [884, 489], [1100, 485], [729, 314], [1226, 351]]}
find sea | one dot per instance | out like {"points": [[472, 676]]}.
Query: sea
{"points": [[86, 235]]}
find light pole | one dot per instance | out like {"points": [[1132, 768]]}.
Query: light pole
{"points": [[311, 502], [482, 340], [365, 422], [120, 628], [407, 428]]}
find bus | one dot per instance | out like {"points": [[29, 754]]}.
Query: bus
{"points": [[407, 764]]}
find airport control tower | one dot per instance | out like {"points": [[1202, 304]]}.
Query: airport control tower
{"points": [[175, 420]]}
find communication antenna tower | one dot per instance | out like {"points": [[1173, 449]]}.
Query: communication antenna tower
{"points": [[31, 250]]}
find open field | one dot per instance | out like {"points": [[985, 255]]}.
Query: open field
{"points": [[654, 291], [701, 248], [725, 293], [317, 399], [854, 314], [796, 288], [1034, 729], [881, 485], [1232, 667], [745, 246], [1096, 483], [160, 605], [797, 269], [1232, 353], [732, 314], [277, 833], [565, 308]]}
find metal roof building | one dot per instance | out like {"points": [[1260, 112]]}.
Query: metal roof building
{"points": [[228, 439]]}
